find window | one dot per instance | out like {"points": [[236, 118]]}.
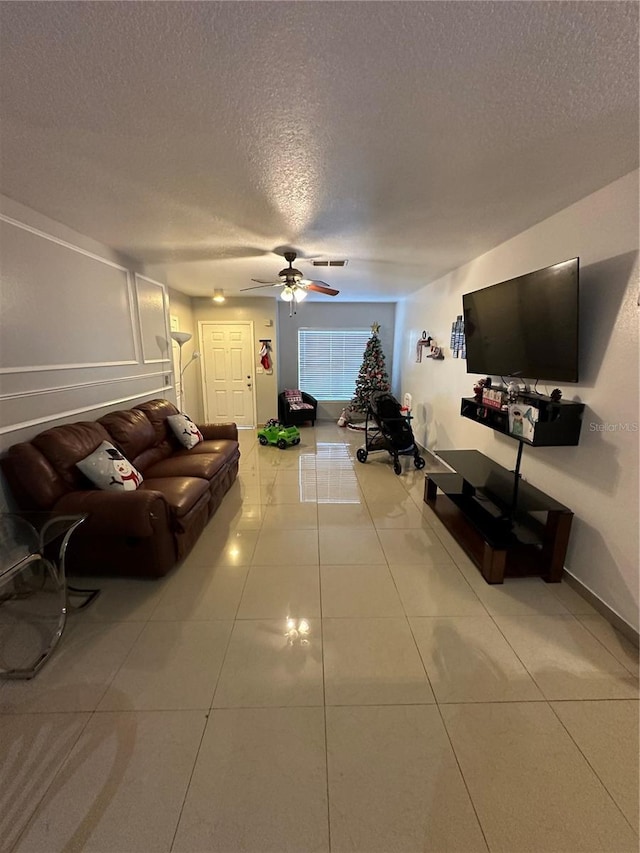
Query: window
{"points": [[329, 361]]}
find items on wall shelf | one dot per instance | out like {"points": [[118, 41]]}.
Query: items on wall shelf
{"points": [[426, 341], [458, 340], [265, 355]]}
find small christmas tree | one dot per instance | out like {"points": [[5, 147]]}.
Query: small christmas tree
{"points": [[373, 373]]}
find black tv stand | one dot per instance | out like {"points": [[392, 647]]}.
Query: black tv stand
{"points": [[494, 516]]}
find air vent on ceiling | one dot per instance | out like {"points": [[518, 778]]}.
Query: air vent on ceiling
{"points": [[330, 263]]}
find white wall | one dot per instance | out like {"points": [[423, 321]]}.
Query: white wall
{"points": [[331, 315], [83, 331], [261, 311], [598, 479]]}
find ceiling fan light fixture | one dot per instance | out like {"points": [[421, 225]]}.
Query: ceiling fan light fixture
{"points": [[287, 294], [218, 295], [299, 294]]}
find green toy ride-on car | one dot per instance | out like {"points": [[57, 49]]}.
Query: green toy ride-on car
{"points": [[276, 433]]}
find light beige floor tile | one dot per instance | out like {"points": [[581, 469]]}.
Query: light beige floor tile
{"points": [[304, 461], [532, 789], [277, 592], [404, 515], [572, 600], [338, 487], [291, 516], [172, 666], [259, 784], [343, 546], [120, 599], [201, 593], [122, 787], [376, 488], [303, 492], [412, 546], [212, 549], [566, 661], [359, 590], [282, 547], [520, 596], [77, 674], [612, 640], [245, 516], [468, 569], [394, 784], [266, 665], [606, 732], [415, 490], [344, 515], [372, 662], [254, 494], [468, 660], [32, 749], [294, 478], [435, 591]]}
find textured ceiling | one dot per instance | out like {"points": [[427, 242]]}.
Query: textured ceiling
{"points": [[408, 137]]}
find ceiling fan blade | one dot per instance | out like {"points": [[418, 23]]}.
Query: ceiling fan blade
{"points": [[320, 287], [262, 281], [260, 286]]}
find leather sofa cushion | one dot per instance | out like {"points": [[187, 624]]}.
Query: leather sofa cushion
{"points": [[131, 431], [225, 446], [204, 465], [63, 446], [157, 412], [180, 493], [34, 483]]}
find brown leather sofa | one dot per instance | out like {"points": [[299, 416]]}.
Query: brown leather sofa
{"points": [[141, 533]]}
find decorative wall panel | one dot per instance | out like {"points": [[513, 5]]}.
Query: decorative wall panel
{"points": [[81, 333], [153, 304]]}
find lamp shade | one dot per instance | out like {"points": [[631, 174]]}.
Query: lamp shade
{"points": [[181, 337]]}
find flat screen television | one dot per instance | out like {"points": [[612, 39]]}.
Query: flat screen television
{"points": [[525, 327]]}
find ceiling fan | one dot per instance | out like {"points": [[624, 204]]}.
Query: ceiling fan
{"points": [[293, 283]]}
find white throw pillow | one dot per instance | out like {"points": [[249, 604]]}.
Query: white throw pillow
{"points": [[185, 430], [108, 469]]}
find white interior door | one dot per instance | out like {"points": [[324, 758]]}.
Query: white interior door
{"points": [[228, 372]]}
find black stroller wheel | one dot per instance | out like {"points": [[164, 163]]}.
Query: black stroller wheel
{"points": [[397, 467], [419, 462], [361, 454]]}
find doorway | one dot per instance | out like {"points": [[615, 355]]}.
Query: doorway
{"points": [[228, 391]]}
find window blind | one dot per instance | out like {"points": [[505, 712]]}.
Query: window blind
{"points": [[329, 361]]}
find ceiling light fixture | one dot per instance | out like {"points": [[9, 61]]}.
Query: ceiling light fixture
{"points": [[295, 294], [218, 295]]}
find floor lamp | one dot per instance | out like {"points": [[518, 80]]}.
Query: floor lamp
{"points": [[181, 339]]}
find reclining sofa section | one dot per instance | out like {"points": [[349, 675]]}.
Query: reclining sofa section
{"points": [[141, 533]]}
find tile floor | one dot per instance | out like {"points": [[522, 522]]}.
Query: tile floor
{"points": [[326, 671]]}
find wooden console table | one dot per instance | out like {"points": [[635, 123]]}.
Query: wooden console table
{"points": [[475, 503]]}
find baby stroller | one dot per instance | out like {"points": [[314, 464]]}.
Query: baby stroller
{"points": [[387, 428]]}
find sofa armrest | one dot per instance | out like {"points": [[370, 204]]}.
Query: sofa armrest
{"points": [[307, 398], [218, 431], [117, 513]]}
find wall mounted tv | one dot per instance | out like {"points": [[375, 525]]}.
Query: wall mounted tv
{"points": [[527, 326]]}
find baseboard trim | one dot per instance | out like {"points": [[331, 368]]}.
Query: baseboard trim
{"points": [[603, 609]]}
